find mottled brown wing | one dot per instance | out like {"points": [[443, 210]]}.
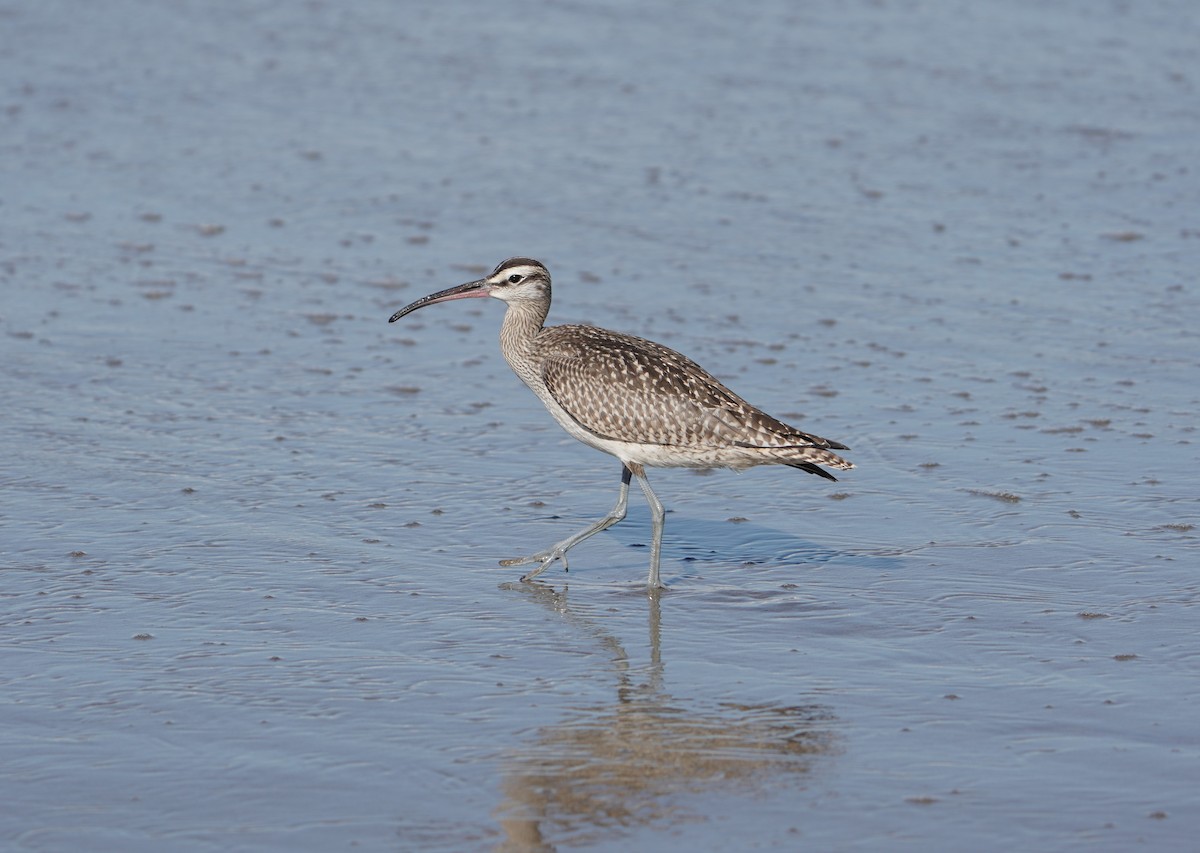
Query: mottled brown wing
{"points": [[630, 389]]}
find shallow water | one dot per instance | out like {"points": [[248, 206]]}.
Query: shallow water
{"points": [[250, 596]]}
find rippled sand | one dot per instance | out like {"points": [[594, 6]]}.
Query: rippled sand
{"points": [[249, 531]]}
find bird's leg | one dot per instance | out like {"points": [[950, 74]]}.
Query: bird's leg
{"points": [[559, 551], [657, 514]]}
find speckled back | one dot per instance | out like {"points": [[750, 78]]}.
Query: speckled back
{"points": [[629, 389]]}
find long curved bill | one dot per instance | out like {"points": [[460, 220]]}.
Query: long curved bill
{"points": [[470, 290]]}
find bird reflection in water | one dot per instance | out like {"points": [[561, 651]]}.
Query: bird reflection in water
{"points": [[608, 769]]}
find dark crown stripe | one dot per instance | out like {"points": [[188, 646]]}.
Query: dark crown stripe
{"points": [[518, 262]]}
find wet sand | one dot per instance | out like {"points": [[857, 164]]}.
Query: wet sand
{"points": [[249, 532]]}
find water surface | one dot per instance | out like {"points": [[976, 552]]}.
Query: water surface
{"points": [[249, 532]]}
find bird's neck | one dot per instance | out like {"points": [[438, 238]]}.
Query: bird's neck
{"points": [[522, 323]]}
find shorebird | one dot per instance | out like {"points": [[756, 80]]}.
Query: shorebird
{"points": [[637, 400]]}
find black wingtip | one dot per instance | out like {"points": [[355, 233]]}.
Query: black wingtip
{"points": [[812, 469]]}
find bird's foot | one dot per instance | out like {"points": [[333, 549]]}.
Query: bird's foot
{"points": [[544, 558]]}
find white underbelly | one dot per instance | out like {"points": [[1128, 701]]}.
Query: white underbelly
{"points": [[654, 455], [648, 455]]}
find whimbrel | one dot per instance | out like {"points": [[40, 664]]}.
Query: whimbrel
{"points": [[643, 403]]}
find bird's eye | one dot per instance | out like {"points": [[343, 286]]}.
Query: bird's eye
{"points": [[514, 278]]}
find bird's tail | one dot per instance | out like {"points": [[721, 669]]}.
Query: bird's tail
{"points": [[810, 459], [797, 449]]}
